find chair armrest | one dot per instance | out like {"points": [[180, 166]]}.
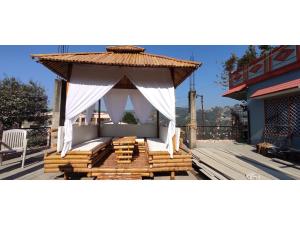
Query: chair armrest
{"points": [[5, 145]]}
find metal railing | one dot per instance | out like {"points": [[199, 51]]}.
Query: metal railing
{"points": [[216, 133]]}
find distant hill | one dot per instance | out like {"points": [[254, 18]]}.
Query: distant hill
{"points": [[213, 116]]}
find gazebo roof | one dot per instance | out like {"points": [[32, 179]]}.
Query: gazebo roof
{"points": [[127, 56]]}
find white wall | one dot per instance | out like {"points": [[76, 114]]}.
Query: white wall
{"points": [[119, 130], [163, 133], [84, 133], [88, 132]]}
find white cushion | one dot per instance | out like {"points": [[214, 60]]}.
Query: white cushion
{"points": [[140, 140], [90, 145], [155, 144]]}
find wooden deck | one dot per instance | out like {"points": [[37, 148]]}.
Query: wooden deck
{"points": [[34, 170], [143, 163], [223, 160], [109, 167]]}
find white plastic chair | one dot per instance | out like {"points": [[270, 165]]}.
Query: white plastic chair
{"points": [[14, 141]]}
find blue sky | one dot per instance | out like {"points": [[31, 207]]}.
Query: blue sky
{"points": [[16, 61]]}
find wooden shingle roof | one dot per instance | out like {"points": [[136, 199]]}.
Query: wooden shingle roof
{"points": [[129, 56]]}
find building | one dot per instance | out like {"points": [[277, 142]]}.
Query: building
{"points": [[104, 117], [271, 87]]}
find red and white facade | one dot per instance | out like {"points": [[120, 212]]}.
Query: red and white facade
{"points": [[271, 87]]}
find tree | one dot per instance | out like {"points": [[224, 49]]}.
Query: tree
{"points": [[129, 118], [249, 56], [19, 102], [228, 67], [264, 48], [233, 63]]}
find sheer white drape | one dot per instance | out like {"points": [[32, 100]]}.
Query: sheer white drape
{"points": [[89, 113], [157, 87], [142, 107], [88, 83], [115, 101]]}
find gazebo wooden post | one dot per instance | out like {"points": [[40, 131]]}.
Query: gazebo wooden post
{"points": [[64, 92], [62, 107], [99, 118], [157, 123]]}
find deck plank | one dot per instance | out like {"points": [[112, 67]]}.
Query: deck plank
{"points": [[230, 158]]}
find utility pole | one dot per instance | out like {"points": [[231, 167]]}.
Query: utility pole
{"points": [[202, 115], [202, 110], [192, 125]]}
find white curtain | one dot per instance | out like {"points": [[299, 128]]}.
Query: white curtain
{"points": [[157, 86], [115, 101], [88, 83], [89, 113], [142, 107]]}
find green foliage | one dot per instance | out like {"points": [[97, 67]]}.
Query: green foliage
{"points": [[233, 62], [264, 48], [248, 57], [129, 118], [37, 137], [228, 67], [19, 102]]}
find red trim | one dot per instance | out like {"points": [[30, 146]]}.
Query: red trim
{"points": [[275, 73], [261, 58], [268, 66], [277, 88], [234, 90], [256, 67], [284, 54], [246, 73], [269, 75], [270, 61], [265, 64], [298, 52]]}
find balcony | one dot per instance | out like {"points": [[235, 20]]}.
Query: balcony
{"points": [[276, 62]]}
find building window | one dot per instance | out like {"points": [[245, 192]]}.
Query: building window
{"points": [[282, 116]]}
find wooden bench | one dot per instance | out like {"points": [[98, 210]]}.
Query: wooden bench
{"points": [[84, 155], [161, 161]]}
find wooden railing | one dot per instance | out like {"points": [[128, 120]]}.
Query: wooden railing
{"points": [[276, 62]]}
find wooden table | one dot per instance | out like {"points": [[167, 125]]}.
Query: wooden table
{"points": [[124, 147]]}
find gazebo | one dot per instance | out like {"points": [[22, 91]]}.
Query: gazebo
{"points": [[120, 72]]}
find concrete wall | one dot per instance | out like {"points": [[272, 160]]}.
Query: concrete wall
{"points": [[256, 106], [257, 120], [119, 130]]}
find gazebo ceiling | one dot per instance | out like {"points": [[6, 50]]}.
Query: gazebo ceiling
{"points": [[126, 56]]}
